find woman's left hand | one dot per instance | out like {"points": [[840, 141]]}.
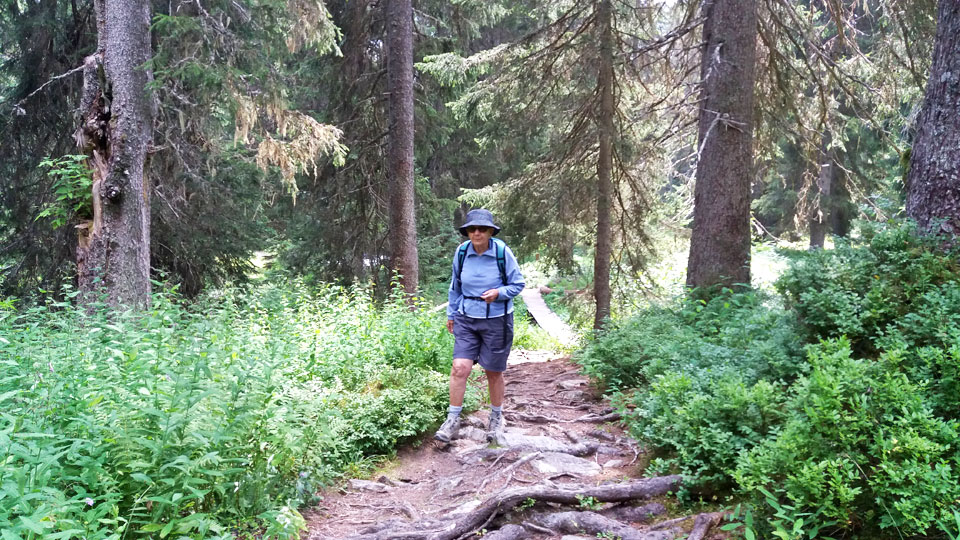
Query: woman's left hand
{"points": [[490, 295]]}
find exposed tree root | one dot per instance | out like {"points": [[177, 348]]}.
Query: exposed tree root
{"points": [[593, 523], [703, 523], [509, 469], [579, 449], [504, 501], [631, 514], [531, 418], [507, 532], [598, 418]]}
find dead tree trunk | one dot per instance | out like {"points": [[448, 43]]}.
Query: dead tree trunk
{"points": [[720, 241], [402, 226], [601, 261], [933, 183], [113, 254]]}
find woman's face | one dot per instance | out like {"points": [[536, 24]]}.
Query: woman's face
{"points": [[479, 237]]}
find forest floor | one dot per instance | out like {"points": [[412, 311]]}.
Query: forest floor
{"points": [[564, 469]]}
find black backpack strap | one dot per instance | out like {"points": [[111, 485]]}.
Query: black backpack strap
{"points": [[461, 256], [502, 260], [501, 251]]}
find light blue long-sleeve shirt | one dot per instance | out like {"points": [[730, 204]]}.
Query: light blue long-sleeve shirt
{"points": [[480, 274]]}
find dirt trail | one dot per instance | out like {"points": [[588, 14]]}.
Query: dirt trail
{"points": [[558, 446]]}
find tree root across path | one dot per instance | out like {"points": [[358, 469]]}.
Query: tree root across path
{"points": [[592, 523], [554, 448], [461, 526]]}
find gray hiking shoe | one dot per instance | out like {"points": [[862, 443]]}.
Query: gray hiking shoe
{"points": [[449, 430], [495, 428]]}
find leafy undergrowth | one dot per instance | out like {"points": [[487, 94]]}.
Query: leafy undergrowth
{"points": [[838, 415], [208, 420]]}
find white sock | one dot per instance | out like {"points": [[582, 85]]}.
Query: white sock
{"points": [[453, 412]]}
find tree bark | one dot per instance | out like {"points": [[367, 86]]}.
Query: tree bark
{"points": [[402, 226], [601, 260], [840, 207], [720, 241], [819, 218], [933, 183], [113, 254]]}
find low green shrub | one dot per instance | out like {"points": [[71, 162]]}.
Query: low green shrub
{"points": [[730, 333], [701, 425], [858, 435], [619, 358], [710, 375], [860, 447], [891, 280], [187, 422]]}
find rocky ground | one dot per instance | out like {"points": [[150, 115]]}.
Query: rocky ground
{"points": [[563, 469]]}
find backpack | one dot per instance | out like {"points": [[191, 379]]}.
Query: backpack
{"points": [[501, 251]]}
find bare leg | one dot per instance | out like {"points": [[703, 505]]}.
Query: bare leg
{"points": [[495, 385], [458, 380]]}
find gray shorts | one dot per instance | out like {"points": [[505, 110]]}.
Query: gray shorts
{"points": [[485, 341]]}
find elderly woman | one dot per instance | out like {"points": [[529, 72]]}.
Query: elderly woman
{"points": [[485, 280]]}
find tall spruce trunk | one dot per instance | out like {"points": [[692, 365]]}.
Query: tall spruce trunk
{"points": [[402, 227], [113, 254], [933, 183], [601, 260], [819, 218], [720, 241]]}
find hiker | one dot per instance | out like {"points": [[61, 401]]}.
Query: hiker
{"points": [[485, 279]]}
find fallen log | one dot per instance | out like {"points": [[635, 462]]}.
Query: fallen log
{"points": [[507, 499]]}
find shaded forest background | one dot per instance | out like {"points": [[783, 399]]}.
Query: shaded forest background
{"points": [[270, 131], [278, 181]]}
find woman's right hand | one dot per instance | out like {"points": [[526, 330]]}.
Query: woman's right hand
{"points": [[450, 325]]}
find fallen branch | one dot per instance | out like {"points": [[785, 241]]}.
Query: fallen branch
{"points": [[505, 500]]}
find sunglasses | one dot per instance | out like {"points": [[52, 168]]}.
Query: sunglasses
{"points": [[470, 230]]}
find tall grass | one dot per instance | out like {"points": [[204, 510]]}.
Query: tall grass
{"points": [[191, 421]]}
